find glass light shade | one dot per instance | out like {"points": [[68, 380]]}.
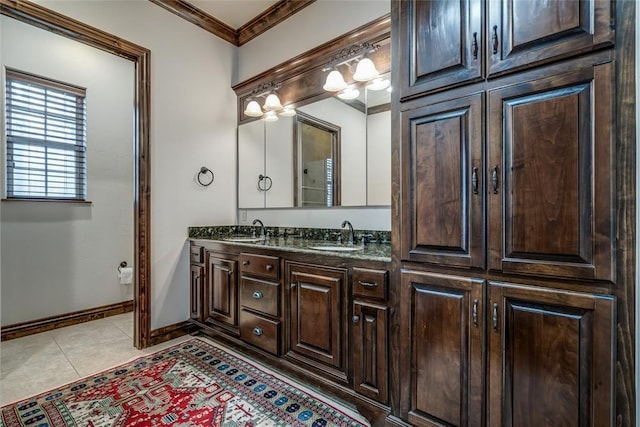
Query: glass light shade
{"points": [[349, 93], [379, 84], [288, 112], [270, 116], [365, 71], [253, 109], [335, 82], [272, 103]]}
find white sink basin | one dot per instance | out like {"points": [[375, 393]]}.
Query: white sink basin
{"points": [[243, 239], [336, 248]]}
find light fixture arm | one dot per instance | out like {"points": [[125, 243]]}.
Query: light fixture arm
{"points": [[351, 53]]}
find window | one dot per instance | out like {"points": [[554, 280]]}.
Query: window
{"points": [[46, 138]]}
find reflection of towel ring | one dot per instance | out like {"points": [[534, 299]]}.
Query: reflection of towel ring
{"points": [[122, 265], [264, 183], [204, 171]]}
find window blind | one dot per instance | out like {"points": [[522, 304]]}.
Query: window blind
{"points": [[46, 138]]}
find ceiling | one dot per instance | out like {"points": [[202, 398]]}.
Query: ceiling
{"points": [[236, 21], [234, 13]]}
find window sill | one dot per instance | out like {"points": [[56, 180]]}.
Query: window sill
{"points": [[77, 202]]}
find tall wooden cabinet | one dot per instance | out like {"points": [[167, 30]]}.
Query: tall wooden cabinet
{"points": [[506, 221]]}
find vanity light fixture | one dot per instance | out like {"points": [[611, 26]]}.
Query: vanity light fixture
{"points": [[365, 71], [379, 84], [365, 68], [349, 93], [271, 104], [253, 109], [287, 111], [335, 82], [270, 116]]}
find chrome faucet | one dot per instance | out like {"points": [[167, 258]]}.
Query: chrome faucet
{"points": [[262, 233], [352, 234]]}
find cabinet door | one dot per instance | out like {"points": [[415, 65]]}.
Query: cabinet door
{"points": [[551, 357], [551, 192], [221, 293], [522, 33], [444, 319], [442, 43], [370, 350], [195, 293], [317, 327], [442, 198]]}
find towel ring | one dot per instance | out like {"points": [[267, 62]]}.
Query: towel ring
{"points": [[266, 185], [205, 171], [122, 265]]}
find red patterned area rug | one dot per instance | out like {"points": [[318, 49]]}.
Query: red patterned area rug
{"points": [[191, 384]]}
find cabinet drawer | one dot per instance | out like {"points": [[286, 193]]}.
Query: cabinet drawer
{"points": [[260, 296], [259, 331], [197, 254], [260, 265], [370, 283]]}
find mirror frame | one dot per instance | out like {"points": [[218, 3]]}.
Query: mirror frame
{"points": [[49, 20]]}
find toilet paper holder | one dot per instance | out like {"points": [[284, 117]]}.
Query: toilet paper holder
{"points": [[122, 265]]}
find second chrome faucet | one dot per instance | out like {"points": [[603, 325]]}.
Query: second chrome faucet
{"points": [[352, 235]]}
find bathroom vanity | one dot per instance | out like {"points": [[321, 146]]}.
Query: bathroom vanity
{"points": [[311, 306]]}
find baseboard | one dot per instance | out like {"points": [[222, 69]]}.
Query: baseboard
{"points": [[23, 329], [170, 332]]}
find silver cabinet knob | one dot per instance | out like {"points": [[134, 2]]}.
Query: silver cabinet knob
{"points": [[257, 295], [257, 331]]}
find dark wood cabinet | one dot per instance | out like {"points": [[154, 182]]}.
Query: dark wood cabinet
{"points": [[260, 296], [446, 44], [550, 169], [548, 179], [441, 42], [196, 290], [318, 330], [442, 337], [551, 357], [443, 178], [369, 348], [221, 305], [525, 33]]}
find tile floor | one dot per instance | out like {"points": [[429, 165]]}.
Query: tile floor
{"points": [[36, 363]]}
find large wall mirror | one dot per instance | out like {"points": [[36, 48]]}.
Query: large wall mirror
{"points": [[333, 151]]}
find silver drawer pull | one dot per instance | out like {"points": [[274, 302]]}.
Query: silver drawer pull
{"points": [[257, 331], [368, 284], [257, 295], [269, 267]]}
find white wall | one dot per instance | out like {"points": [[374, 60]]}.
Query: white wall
{"points": [[193, 124], [316, 24], [63, 257]]}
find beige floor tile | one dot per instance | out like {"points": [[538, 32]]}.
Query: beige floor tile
{"points": [[124, 322], [90, 359], [34, 374], [15, 352], [97, 333]]}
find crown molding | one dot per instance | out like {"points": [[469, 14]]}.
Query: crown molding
{"points": [[272, 16]]}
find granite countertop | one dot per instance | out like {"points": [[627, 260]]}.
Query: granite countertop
{"points": [[300, 240]]}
